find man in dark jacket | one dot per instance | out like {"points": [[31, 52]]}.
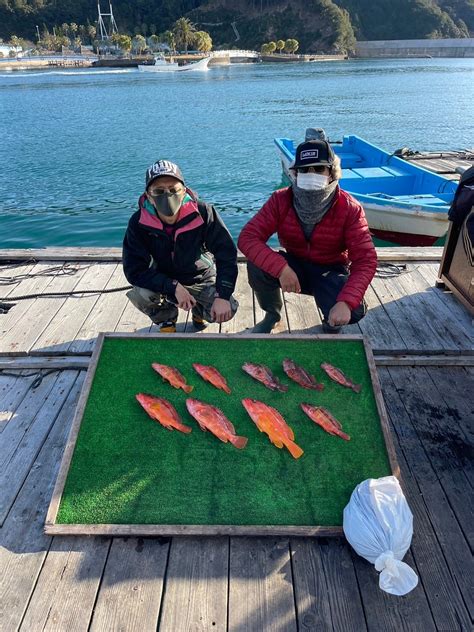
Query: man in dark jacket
{"points": [[329, 252], [177, 253]]}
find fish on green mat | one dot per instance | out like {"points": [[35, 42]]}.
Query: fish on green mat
{"points": [[162, 411], [173, 376], [323, 418], [338, 376], [212, 418], [301, 376], [213, 376], [269, 420], [262, 374]]}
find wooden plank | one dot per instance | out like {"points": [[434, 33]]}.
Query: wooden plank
{"points": [[12, 393], [31, 285], [303, 315], [406, 315], [24, 332], [378, 326], [36, 363], [20, 444], [105, 315], [435, 360], [261, 585], [435, 311], [133, 320], [196, 585], [438, 545], [456, 309], [326, 592], [115, 254], [66, 589], [68, 320], [23, 545], [387, 612], [244, 318], [132, 585]]}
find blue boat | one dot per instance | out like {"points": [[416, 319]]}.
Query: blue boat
{"points": [[404, 204]]}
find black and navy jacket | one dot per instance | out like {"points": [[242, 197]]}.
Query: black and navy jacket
{"points": [[152, 258]]}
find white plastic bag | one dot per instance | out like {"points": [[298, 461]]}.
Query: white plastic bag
{"points": [[379, 525]]}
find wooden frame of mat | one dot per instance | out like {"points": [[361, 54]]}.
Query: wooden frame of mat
{"points": [[53, 528]]}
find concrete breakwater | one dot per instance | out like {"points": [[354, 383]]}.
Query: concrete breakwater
{"points": [[416, 48]]}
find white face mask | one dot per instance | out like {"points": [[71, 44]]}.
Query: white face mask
{"points": [[311, 181]]}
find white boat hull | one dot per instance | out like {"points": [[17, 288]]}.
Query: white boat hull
{"points": [[198, 66]]}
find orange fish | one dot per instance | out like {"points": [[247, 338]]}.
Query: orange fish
{"points": [[301, 376], [338, 376], [211, 418], [212, 375], [323, 418], [162, 411], [173, 376], [269, 420], [262, 374]]}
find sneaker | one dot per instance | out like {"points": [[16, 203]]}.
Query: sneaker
{"points": [[327, 329], [168, 327], [199, 323]]}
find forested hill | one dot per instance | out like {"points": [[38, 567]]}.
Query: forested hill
{"points": [[318, 25]]}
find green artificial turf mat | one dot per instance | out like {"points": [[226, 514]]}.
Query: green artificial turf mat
{"points": [[128, 469]]}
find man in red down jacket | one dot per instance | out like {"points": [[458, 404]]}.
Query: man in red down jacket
{"points": [[329, 252]]}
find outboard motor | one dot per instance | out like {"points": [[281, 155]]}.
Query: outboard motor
{"points": [[315, 133]]}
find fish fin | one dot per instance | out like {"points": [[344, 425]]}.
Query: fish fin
{"points": [[187, 388], [282, 388], [356, 388], [239, 442], [279, 444], [294, 450]]}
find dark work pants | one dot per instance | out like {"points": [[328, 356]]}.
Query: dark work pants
{"points": [[323, 282]]}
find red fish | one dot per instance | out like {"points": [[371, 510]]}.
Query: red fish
{"points": [[323, 418], [262, 374], [173, 376], [211, 418], [162, 411], [338, 376], [212, 375], [301, 376], [269, 420]]}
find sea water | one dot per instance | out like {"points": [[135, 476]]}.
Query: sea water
{"points": [[75, 144]]}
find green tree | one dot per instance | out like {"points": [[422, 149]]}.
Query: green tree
{"points": [[124, 42], [73, 28], [272, 47], [168, 38], [91, 32], [14, 41], [139, 43], [184, 31], [291, 46], [203, 41], [154, 42], [265, 49], [280, 45]]}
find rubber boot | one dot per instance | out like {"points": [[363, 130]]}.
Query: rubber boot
{"points": [[271, 303]]}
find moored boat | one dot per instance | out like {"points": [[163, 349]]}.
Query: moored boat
{"points": [[404, 204], [161, 65]]}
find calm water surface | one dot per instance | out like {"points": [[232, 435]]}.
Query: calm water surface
{"points": [[74, 145]]}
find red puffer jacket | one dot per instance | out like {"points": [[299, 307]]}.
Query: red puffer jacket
{"points": [[342, 236]]}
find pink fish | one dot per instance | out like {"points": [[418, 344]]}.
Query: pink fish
{"points": [[173, 376], [301, 376], [212, 375], [162, 411], [323, 418], [338, 376], [213, 419], [262, 374]]}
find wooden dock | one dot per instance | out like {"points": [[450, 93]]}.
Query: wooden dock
{"points": [[422, 341]]}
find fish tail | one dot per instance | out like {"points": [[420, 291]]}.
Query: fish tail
{"points": [[182, 428], [226, 389], [238, 442], [187, 388], [344, 436], [356, 388], [294, 449]]}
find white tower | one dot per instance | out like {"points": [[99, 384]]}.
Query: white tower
{"points": [[104, 33]]}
